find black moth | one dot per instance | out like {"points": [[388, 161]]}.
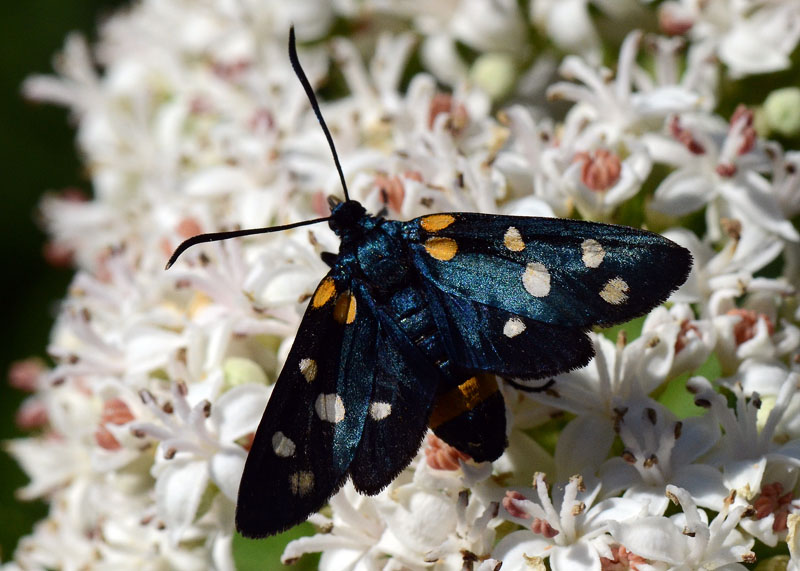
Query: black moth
{"points": [[411, 325]]}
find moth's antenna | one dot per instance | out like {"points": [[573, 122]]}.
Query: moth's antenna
{"points": [[216, 236], [301, 75]]}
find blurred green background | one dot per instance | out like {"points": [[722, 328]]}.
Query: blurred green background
{"points": [[39, 155]]}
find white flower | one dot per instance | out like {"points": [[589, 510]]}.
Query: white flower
{"points": [[693, 339], [597, 161], [49, 462], [488, 27], [616, 376], [349, 539], [729, 272], [524, 455], [717, 165], [431, 519], [660, 450], [568, 529], [762, 40], [528, 163], [614, 109], [618, 372], [786, 181], [191, 454], [794, 542], [749, 330], [688, 541], [743, 441], [749, 37], [246, 295], [773, 501], [449, 527], [568, 24], [598, 181], [107, 522]]}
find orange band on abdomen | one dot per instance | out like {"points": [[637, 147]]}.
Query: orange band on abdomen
{"points": [[462, 398]]}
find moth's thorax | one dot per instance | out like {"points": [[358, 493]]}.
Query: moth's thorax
{"points": [[383, 259], [369, 246]]}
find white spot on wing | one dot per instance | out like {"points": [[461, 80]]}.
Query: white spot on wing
{"points": [[593, 253], [283, 445], [380, 410], [308, 367], [536, 280], [300, 483], [615, 291], [513, 327], [330, 408]]}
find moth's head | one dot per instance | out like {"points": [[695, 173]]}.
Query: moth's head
{"points": [[344, 215]]}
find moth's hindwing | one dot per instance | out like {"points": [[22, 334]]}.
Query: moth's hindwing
{"points": [[315, 416], [470, 415], [483, 338], [563, 272]]}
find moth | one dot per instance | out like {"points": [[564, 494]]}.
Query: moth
{"points": [[410, 329]]}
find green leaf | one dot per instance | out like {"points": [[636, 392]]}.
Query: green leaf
{"points": [[260, 554]]}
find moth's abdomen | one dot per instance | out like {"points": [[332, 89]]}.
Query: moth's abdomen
{"points": [[410, 310], [469, 412]]}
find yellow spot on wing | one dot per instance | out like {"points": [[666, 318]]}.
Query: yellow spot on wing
{"points": [[308, 368], [301, 483], [615, 291], [462, 398], [513, 240], [441, 248], [436, 222], [325, 291], [344, 311]]}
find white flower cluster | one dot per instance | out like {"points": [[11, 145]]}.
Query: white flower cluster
{"points": [[191, 120]]}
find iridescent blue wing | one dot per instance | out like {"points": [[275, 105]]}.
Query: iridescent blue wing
{"points": [[483, 338], [515, 295], [315, 416], [565, 272], [404, 387]]}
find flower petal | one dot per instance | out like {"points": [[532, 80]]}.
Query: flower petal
{"points": [[238, 411], [179, 488]]}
